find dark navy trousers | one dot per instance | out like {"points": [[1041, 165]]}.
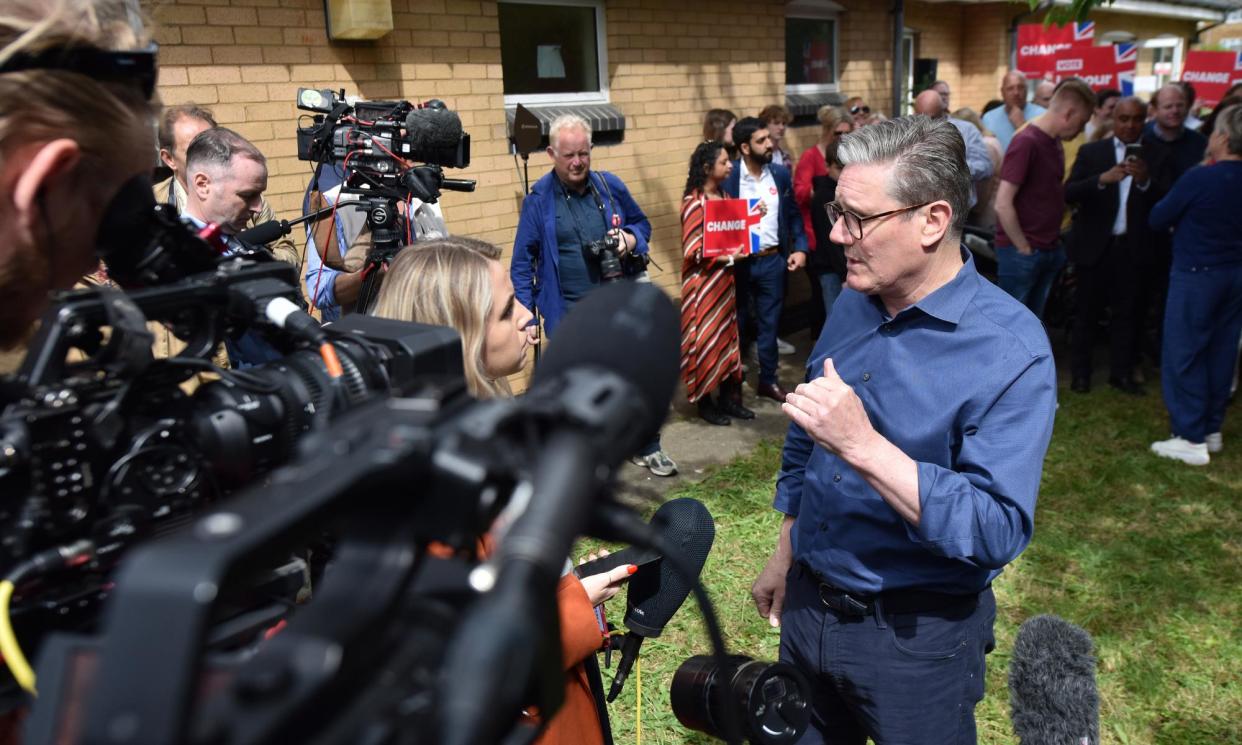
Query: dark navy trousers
{"points": [[898, 678], [1202, 323], [762, 279]]}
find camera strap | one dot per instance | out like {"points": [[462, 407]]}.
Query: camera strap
{"points": [[579, 228]]}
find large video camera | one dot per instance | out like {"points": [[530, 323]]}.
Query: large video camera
{"points": [[101, 445], [386, 152]]}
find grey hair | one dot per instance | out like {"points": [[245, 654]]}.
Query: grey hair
{"points": [[567, 121], [1229, 122], [928, 158], [216, 147]]}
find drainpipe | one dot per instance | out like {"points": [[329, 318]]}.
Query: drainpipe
{"points": [[899, 67]]}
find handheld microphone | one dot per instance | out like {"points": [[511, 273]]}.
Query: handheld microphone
{"points": [[607, 382], [656, 591], [1052, 693], [264, 233]]}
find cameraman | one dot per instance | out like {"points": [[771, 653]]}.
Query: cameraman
{"points": [[576, 226], [75, 126]]}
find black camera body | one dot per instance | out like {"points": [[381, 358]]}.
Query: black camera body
{"points": [[607, 251]]}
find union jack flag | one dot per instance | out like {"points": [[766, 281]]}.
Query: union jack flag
{"points": [[1127, 52], [1084, 31], [1237, 64], [753, 216]]}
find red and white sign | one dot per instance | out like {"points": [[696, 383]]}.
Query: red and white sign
{"points": [[1039, 45], [1212, 74], [730, 226], [1109, 66]]}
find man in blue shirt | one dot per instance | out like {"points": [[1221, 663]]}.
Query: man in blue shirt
{"points": [[913, 459], [1005, 120], [558, 252]]}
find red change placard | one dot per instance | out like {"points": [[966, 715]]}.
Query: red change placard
{"points": [[730, 226], [1212, 74], [1038, 45], [1103, 67]]}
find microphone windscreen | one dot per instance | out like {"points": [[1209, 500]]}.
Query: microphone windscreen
{"points": [[630, 329], [433, 129], [1052, 692], [262, 234], [656, 590]]}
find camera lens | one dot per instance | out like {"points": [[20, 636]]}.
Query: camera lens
{"points": [[770, 698]]}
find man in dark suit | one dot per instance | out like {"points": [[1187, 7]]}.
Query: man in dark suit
{"points": [[1113, 186], [782, 244]]}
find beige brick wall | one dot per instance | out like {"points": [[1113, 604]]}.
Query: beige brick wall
{"points": [[1213, 36]]}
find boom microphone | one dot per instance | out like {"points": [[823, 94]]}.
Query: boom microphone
{"points": [[433, 129], [1052, 693], [607, 381], [656, 591], [264, 233]]}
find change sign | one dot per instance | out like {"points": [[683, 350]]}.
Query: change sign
{"points": [[1110, 66], [1212, 74], [730, 226], [1039, 45]]}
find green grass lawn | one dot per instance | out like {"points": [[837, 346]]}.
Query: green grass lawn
{"points": [[1144, 553]]}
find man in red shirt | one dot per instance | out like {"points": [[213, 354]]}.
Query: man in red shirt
{"points": [[1031, 197]]}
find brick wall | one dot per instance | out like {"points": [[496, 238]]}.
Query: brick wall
{"points": [[1213, 36]]}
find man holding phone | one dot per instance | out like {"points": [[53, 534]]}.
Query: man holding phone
{"points": [[1112, 187]]}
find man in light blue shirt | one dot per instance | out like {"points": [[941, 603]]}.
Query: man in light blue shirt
{"points": [[913, 459], [931, 103], [1005, 120]]}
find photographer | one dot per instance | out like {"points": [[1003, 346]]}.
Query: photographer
{"points": [[74, 128], [578, 229]]}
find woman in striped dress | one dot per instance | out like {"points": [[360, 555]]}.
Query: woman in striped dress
{"points": [[711, 360]]}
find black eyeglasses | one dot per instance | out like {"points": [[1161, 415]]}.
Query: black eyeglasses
{"points": [[854, 221], [864, 109], [134, 66]]}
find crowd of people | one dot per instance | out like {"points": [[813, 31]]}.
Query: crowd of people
{"points": [[911, 468]]}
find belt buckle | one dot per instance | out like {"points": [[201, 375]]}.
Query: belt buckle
{"points": [[841, 602]]}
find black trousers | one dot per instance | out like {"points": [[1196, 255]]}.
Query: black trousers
{"points": [[1112, 284]]}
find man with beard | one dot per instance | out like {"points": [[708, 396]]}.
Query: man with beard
{"points": [[782, 243]]}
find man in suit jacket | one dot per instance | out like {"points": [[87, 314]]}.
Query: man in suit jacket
{"points": [[1112, 189], [782, 244]]}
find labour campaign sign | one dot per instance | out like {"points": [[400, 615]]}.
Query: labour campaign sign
{"points": [[730, 226], [1212, 73], [1038, 45], [1109, 66]]}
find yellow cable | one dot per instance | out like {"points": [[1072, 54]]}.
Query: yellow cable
{"points": [[638, 701], [9, 647]]}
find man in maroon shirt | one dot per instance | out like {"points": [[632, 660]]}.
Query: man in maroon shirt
{"points": [[1031, 197]]}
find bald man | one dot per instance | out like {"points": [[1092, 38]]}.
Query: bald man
{"points": [[931, 103], [1007, 119], [1043, 93]]}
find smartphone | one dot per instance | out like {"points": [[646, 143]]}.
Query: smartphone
{"points": [[1134, 151], [631, 555]]}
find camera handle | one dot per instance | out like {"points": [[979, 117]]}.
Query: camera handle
{"points": [[387, 226]]}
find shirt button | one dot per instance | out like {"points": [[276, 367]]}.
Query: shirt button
{"points": [[836, 477], [866, 377]]}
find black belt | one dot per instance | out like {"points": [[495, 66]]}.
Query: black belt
{"points": [[895, 601]]}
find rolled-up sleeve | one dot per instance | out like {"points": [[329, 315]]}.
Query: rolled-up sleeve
{"points": [[983, 509]]}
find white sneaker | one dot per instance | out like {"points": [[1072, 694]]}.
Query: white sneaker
{"points": [[1215, 443], [1183, 450], [784, 347]]}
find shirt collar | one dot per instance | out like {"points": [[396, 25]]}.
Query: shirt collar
{"points": [[767, 168], [949, 301]]}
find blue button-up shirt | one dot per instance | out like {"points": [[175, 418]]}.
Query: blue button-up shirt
{"points": [[963, 382]]}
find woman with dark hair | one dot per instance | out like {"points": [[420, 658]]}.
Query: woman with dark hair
{"points": [[1203, 313], [1209, 121], [711, 358], [834, 123], [718, 127]]}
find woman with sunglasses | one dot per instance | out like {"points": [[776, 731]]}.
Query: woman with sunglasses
{"points": [[859, 111]]}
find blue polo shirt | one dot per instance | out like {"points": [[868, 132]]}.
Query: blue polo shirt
{"points": [[964, 383]]}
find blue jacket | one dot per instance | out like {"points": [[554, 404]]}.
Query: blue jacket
{"points": [[536, 241], [789, 230]]}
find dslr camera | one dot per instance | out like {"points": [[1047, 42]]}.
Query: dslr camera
{"points": [[607, 251]]}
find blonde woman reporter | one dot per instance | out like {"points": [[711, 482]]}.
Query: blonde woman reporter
{"points": [[460, 283]]}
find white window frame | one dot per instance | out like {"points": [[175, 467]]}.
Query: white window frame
{"points": [[1177, 44], [818, 10], [601, 49]]}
